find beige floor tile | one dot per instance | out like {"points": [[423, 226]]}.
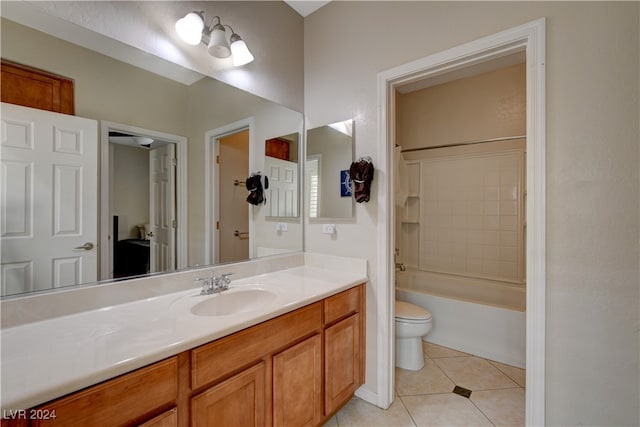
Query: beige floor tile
{"points": [[436, 351], [474, 373], [444, 410], [428, 380], [360, 413], [518, 375], [331, 422], [502, 407]]}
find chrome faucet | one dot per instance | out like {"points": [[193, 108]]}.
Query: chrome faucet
{"points": [[215, 284], [399, 264]]}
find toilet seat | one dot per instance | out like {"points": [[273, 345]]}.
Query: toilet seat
{"points": [[407, 312]]}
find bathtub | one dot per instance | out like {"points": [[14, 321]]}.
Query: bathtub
{"points": [[481, 317]]}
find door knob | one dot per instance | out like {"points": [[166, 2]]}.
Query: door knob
{"points": [[87, 246]]}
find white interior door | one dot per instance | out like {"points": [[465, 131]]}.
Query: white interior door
{"points": [[49, 200], [282, 195], [162, 208]]}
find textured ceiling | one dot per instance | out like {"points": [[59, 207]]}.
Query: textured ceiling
{"points": [[306, 7]]}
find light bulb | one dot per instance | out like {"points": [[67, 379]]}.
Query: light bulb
{"points": [[240, 51], [190, 28]]}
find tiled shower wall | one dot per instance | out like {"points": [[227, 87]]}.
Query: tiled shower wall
{"points": [[471, 215], [465, 213]]}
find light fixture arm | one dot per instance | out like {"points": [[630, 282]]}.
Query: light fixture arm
{"points": [[208, 29], [214, 36]]}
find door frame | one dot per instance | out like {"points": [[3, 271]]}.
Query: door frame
{"points": [[530, 38], [211, 172], [105, 191]]}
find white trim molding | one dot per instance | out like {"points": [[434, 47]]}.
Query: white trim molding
{"points": [[105, 188], [530, 38]]}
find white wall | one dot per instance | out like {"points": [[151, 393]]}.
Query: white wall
{"points": [[130, 189], [592, 340]]}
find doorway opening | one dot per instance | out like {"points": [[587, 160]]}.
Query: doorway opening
{"points": [[228, 215], [528, 38], [143, 201]]}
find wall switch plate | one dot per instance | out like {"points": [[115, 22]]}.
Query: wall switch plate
{"points": [[328, 229], [282, 226]]}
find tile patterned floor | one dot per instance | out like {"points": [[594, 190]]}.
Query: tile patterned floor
{"points": [[425, 398]]}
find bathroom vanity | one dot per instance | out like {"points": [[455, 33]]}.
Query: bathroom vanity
{"points": [[299, 361]]}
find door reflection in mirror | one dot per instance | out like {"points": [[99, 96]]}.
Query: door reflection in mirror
{"points": [[281, 168], [233, 213], [143, 205]]}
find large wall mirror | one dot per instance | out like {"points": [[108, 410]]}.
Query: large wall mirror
{"points": [[329, 156], [222, 131]]}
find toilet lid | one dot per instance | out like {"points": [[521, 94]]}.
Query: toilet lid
{"points": [[404, 310]]}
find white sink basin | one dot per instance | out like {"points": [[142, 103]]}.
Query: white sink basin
{"points": [[233, 302]]}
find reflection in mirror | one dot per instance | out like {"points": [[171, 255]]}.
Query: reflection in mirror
{"points": [[281, 169], [329, 155], [108, 90], [131, 204], [142, 215]]}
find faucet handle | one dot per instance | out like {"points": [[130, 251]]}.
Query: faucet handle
{"points": [[224, 278], [206, 284]]}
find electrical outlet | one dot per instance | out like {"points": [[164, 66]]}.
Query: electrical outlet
{"points": [[328, 229], [282, 226]]}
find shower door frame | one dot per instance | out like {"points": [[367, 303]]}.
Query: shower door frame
{"points": [[530, 38]]}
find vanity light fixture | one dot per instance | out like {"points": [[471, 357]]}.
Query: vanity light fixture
{"points": [[192, 30]]}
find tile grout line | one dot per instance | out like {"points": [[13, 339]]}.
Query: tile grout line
{"points": [[469, 398], [408, 412]]}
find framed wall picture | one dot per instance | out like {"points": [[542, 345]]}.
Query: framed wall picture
{"points": [[346, 186]]}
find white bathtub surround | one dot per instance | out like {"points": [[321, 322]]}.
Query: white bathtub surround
{"points": [[45, 359], [479, 317]]}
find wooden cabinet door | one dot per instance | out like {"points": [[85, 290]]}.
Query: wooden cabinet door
{"points": [[30, 87], [166, 419], [342, 362], [238, 401], [297, 384]]}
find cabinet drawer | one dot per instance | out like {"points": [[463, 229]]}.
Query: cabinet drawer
{"points": [[222, 357], [120, 401], [342, 305]]}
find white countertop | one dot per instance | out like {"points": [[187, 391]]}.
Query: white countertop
{"points": [[47, 359]]}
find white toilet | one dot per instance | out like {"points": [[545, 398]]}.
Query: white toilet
{"points": [[412, 323]]}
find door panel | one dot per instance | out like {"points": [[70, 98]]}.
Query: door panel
{"points": [[162, 208], [297, 385], [234, 209], [49, 199], [239, 401], [282, 195]]}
